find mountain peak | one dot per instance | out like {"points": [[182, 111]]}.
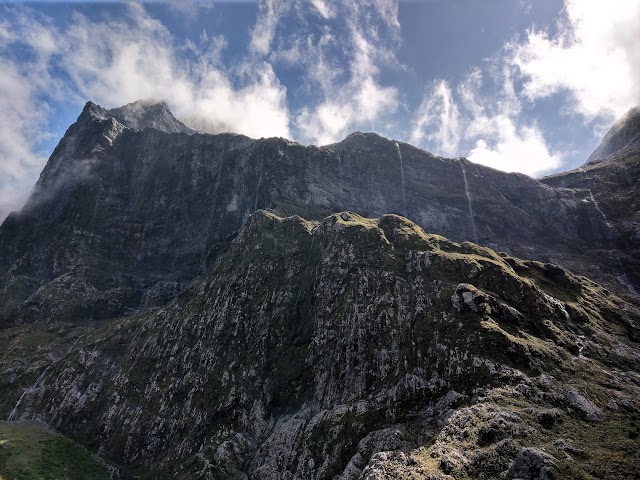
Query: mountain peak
{"points": [[144, 114], [624, 133]]}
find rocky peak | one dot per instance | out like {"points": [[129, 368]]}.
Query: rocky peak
{"points": [[144, 114], [625, 133]]}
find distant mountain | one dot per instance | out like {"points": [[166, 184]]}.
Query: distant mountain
{"points": [[189, 305], [625, 134]]}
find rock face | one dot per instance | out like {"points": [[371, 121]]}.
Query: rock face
{"points": [[610, 181], [343, 349], [193, 306], [625, 134], [133, 206]]}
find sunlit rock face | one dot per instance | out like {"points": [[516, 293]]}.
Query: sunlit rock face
{"points": [[352, 348], [622, 137], [133, 206]]}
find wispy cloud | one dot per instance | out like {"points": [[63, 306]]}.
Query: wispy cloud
{"points": [[594, 56], [487, 128], [352, 95], [437, 120]]}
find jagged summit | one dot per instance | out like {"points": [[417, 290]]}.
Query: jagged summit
{"points": [[625, 133], [140, 115]]}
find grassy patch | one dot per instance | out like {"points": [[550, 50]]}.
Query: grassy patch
{"points": [[29, 450]]}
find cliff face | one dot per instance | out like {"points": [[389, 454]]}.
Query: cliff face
{"points": [[123, 218], [355, 348], [622, 137], [610, 180], [192, 306]]}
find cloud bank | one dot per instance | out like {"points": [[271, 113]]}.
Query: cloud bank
{"points": [[594, 57]]}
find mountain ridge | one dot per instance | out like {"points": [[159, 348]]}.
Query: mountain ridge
{"points": [[253, 375], [624, 134], [178, 198], [190, 305]]}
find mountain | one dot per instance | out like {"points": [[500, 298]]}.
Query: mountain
{"points": [[625, 134], [213, 306], [354, 348], [123, 218]]}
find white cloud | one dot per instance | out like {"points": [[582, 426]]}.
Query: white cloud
{"points": [[503, 140], [513, 148], [20, 130], [594, 56], [119, 62], [437, 120], [352, 97], [264, 30], [488, 128], [325, 9]]}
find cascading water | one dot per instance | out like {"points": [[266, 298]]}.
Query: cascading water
{"points": [[255, 203], [35, 384], [595, 204], [622, 278], [339, 173], [466, 191], [404, 197], [12, 415]]}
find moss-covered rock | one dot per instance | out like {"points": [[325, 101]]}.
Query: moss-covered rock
{"points": [[354, 347]]}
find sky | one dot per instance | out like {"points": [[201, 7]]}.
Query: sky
{"points": [[518, 85]]}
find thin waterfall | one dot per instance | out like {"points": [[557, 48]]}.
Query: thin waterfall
{"points": [[466, 191], [404, 197], [622, 278], [592, 198], [28, 390], [255, 203], [35, 384], [339, 173], [595, 204]]}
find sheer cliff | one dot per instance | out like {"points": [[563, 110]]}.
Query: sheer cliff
{"points": [[185, 305], [124, 218]]}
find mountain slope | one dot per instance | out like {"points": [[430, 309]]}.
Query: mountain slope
{"points": [[625, 134], [610, 180], [124, 219], [358, 348]]}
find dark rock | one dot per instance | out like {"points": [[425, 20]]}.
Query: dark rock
{"points": [[533, 464]]}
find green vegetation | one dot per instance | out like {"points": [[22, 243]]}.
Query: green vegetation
{"points": [[29, 450]]}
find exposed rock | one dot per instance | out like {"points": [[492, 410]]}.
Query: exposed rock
{"points": [[589, 409], [625, 134], [533, 464], [311, 351], [166, 305]]}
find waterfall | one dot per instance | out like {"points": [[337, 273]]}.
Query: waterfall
{"points": [[595, 204], [592, 198], [404, 198], [339, 174], [255, 203], [35, 384], [466, 191], [28, 390]]}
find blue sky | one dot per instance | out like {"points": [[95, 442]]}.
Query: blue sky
{"points": [[517, 85]]}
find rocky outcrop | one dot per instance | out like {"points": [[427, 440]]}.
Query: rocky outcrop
{"points": [[350, 348]]}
